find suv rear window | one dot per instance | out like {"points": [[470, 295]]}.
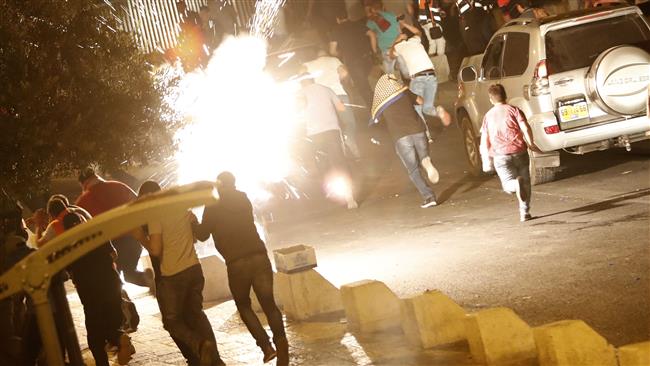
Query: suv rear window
{"points": [[578, 46]]}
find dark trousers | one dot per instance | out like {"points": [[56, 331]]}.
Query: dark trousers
{"points": [[128, 254], [359, 72], [185, 349], [255, 271], [180, 298], [101, 297], [328, 149]]}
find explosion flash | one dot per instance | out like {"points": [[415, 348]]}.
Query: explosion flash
{"points": [[265, 17], [241, 120]]}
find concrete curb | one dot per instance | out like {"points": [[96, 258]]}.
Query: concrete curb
{"points": [[572, 343], [216, 279], [432, 319], [637, 354], [307, 294], [370, 306], [498, 336]]}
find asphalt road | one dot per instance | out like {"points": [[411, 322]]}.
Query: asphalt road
{"points": [[586, 255]]}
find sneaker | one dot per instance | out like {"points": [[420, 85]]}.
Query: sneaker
{"points": [[429, 202], [282, 345], [444, 116], [432, 172], [525, 217], [126, 350], [520, 190], [269, 353]]}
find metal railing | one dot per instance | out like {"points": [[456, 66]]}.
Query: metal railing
{"points": [[154, 24]]}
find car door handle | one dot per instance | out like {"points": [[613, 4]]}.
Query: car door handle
{"points": [[564, 81]]}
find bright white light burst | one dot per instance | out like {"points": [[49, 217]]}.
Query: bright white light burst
{"points": [[241, 120]]}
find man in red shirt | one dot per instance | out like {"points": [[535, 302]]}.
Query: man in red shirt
{"points": [[98, 196], [506, 137]]}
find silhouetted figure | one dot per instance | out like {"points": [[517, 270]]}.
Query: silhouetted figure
{"points": [[100, 291], [98, 196], [231, 224]]}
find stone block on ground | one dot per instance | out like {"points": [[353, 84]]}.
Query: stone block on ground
{"points": [[216, 279], [572, 343], [499, 337], [637, 354], [370, 306], [432, 319], [307, 294]]}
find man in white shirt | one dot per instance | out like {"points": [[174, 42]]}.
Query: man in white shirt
{"points": [[330, 71], [423, 75], [180, 288], [321, 106]]}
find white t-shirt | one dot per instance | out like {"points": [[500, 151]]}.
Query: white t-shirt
{"points": [[178, 252], [414, 55], [325, 70], [320, 111]]}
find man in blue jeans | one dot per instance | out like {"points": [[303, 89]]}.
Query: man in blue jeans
{"points": [[506, 137], [232, 226], [397, 104], [422, 73]]}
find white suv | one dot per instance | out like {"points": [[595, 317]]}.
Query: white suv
{"points": [[581, 78]]}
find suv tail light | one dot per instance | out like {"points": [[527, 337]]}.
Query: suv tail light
{"points": [[540, 85], [552, 129]]}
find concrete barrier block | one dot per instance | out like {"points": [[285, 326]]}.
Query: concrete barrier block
{"points": [[307, 294], [572, 343], [499, 337], [370, 306], [216, 279], [637, 354], [432, 319]]}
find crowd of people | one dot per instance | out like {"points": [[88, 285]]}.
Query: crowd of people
{"points": [[402, 36], [176, 278]]}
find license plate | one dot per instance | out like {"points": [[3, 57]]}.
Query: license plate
{"points": [[573, 110]]}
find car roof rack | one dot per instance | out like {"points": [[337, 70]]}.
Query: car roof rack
{"points": [[521, 21], [582, 12]]}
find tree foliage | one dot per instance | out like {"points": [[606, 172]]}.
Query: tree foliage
{"points": [[75, 91]]}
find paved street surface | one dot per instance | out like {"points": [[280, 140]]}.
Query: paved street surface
{"points": [[325, 342]]}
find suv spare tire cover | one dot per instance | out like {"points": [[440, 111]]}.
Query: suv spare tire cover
{"points": [[618, 80]]}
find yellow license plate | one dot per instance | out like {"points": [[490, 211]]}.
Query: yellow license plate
{"points": [[573, 112]]}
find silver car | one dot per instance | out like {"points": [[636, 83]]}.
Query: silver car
{"points": [[581, 79]]}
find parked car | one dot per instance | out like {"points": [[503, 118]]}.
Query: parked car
{"points": [[581, 79]]}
